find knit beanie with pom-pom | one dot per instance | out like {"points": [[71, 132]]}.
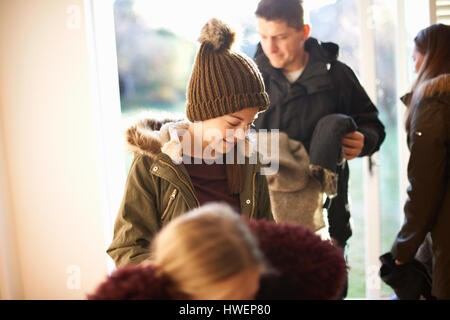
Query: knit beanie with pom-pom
{"points": [[222, 81]]}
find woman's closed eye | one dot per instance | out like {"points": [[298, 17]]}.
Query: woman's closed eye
{"points": [[232, 124]]}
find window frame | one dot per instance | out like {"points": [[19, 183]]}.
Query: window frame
{"points": [[101, 43]]}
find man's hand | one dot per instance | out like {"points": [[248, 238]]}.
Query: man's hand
{"points": [[352, 144]]}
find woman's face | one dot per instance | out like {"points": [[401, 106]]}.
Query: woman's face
{"points": [[418, 59], [243, 286], [222, 133]]}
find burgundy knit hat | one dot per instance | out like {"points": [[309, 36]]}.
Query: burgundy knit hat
{"points": [[133, 283], [308, 268]]}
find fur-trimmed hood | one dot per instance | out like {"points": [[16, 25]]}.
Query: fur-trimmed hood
{"points": [[433, 87], [150, 137]]}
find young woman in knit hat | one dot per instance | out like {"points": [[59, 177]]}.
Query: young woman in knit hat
{"points": [[179, 166]]}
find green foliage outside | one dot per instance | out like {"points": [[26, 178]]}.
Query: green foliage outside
{"points": [[390, 210]]}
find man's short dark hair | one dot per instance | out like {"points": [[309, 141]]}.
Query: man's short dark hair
{"points": [[290, 11]]}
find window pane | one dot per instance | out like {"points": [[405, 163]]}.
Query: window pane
{"points": [[339, 22], [156, 46], [383, 12], [154, 62]]}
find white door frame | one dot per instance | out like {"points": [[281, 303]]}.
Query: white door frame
{"points": [[107, 113], [371, 175]]}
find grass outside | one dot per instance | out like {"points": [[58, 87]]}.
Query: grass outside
{"points": [[390, 210]]}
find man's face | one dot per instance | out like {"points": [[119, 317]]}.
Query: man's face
{"points": [[282, 44]]}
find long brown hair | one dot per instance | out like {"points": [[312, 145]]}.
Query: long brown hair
{"points": [[433, 43]]}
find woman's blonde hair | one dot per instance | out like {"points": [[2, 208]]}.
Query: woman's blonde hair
{"points": [[203, 247]]}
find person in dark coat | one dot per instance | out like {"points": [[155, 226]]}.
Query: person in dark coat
{"points": [[427, 208], [180, 269], [306, 83]]}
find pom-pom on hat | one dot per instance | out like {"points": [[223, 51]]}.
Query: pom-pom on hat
{"points": [[222, 81]]}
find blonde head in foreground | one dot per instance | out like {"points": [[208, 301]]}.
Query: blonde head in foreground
{"points": [[209, 253]]}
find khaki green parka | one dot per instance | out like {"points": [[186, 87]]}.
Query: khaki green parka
{"points": [[158, 189]]}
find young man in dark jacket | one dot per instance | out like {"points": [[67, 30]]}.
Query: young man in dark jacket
{"points": [[305, 83]]}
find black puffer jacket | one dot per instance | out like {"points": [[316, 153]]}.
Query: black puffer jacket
{"points": [[326, 86], [427, 208]]}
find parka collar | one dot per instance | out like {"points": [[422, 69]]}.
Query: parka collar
{"points": [[151, 137], [406, 98], [433, 87], [437, 86]]}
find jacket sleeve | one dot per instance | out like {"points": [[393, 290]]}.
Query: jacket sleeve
{"points": [[356, 103], [137, 221], [427, 178]]}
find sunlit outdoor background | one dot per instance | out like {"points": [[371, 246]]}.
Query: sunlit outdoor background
{"points": [[157, 42], [73, 74]]}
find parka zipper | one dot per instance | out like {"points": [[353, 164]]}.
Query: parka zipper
{"points": [[183, 181], [171, 198], [253, 196]]}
